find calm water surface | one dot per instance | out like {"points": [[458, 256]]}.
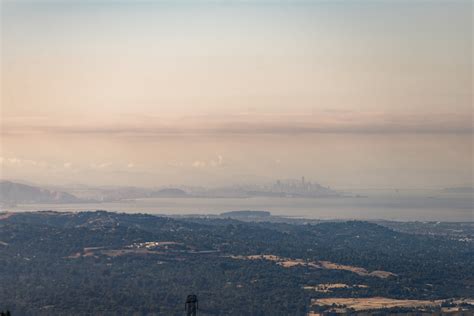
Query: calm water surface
{"points": [[400, 208]]}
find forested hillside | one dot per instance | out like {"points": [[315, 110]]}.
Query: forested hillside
{"points": [[107, 264]]}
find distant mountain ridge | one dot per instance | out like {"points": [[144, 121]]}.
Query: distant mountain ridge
{"points": [[19, 192], [113, 194], [169, 192], [12, 193], [459, 190]]}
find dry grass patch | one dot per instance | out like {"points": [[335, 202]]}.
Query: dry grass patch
{"points": [[123, 252], [371, 303], [289, 263]]}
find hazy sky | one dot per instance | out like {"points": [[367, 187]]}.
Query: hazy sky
{"points": [[348, 93]]}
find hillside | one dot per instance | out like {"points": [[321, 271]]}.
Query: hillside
{"points": [[92, 262], [13, 193]]}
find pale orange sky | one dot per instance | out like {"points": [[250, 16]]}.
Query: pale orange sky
{"points": [[369, 93]]}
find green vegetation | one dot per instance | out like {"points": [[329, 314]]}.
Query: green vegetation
{"points": [[45, 269]]}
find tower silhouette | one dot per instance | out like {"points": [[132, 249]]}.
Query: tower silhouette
{"points": [[191, 305]]}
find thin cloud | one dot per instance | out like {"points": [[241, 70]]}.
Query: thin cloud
{"points": [[247, 124], [19, 162], [101, 165], [216, 162], [199, 164]]}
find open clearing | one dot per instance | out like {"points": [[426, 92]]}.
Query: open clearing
{"points": [[356, 270], [288, 263], [329, 287], [360, 304]]}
